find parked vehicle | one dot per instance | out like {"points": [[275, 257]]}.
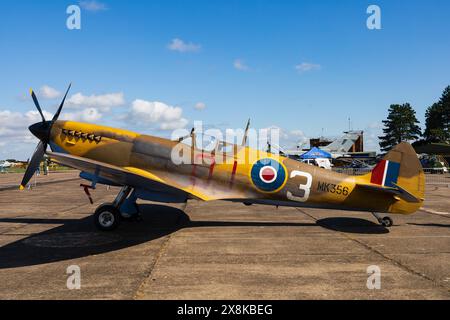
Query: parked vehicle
{"points": [[433, 165], [319, 162]]}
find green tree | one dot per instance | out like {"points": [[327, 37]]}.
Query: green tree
{"points": [[438, 119], [400, 125]]}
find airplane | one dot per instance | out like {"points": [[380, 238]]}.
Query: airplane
{"points": [[5, 164], [143, 167]]}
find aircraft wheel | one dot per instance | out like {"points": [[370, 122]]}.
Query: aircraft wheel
{"points": [[107, 217], [387, 222]]}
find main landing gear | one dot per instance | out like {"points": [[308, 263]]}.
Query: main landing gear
{"points": [[108, 216], [384, 221]]}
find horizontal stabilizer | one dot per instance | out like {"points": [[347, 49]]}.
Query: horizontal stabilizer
{"points": [[395, 191], [407, 196]]}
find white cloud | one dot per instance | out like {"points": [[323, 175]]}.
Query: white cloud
{"points": [[14, 126], [150, 113], [181, 46], [200, 106], [85, 115], [287, 139], [306, 66], [174, 124], [93, 6], [376, 125], [47, 92], [17, 141], [103, 103], [91, 108], [240, 65], [258, 138], [297, 133]]}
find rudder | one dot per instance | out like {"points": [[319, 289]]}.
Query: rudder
{"points": [[401, 167]]}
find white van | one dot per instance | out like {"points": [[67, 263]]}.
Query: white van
{"points": [[323, 163]]}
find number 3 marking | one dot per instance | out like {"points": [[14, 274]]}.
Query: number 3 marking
{"points": [[305, 187]]}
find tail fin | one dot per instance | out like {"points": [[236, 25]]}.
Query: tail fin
{"points": [[385, 173], [400, 169]]}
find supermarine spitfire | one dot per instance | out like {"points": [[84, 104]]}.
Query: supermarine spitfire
{"points": [[148, 167]]}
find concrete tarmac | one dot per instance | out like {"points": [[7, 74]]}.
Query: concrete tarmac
{"points": [[216, 250]]}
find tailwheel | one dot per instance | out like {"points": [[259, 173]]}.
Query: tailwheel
{"points": [[107, 217], [387, 222], [384, 221]]}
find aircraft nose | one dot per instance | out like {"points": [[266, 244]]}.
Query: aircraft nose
{"points": [[40, 130]]}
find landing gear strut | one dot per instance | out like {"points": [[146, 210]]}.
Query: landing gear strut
{"points": [[107, 217], [384, 221]]}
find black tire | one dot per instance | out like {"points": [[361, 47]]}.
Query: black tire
{"points": [[387, 222], [107, 217]]}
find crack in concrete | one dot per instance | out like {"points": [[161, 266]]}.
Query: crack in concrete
{"points": [[148, 274], [391, 260]]}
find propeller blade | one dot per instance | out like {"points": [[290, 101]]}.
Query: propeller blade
{"points": [[36, 103], [56, 116], [34, 164]]}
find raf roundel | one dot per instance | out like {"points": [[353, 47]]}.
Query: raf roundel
{"points": [[268, 175]]}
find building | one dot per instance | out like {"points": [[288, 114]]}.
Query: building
{"points": [[345, 150]]}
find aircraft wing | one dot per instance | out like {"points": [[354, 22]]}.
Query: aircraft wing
{"points": [[158, 181]]}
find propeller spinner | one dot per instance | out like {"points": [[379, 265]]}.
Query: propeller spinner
{"points": [[40, 130]]}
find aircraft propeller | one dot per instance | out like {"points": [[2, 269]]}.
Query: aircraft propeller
{"points": [[40, 130]]}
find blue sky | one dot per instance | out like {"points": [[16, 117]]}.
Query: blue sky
{"points": [[233, 59]]}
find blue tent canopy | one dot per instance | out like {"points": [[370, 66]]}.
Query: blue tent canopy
{"points": [[315, 153]]}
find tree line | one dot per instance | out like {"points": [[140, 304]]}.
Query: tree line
{"points": [[402, 124]]}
